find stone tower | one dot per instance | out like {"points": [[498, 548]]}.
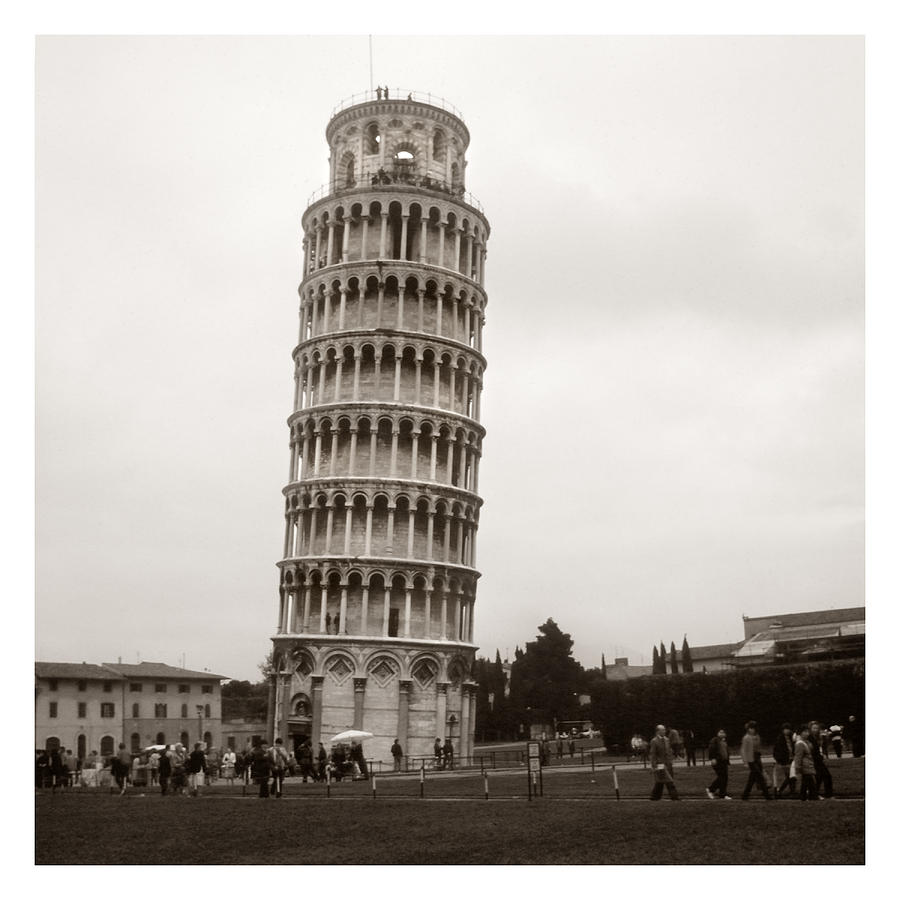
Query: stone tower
{"points": [[378, 579]]}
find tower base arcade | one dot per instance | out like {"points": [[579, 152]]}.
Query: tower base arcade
{"points": [[410, 690]]}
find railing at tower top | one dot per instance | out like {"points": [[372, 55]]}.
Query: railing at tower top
{"points": [[401, 94], [401, 177]]}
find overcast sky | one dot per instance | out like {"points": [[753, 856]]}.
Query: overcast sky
{"points": [[674, 393]]}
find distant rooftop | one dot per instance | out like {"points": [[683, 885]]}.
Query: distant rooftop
{"points": [[78, 671], [161, 670], [756, 624], [712, 651]]}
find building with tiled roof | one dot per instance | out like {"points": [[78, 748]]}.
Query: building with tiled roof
{"points": [[86, 707]]}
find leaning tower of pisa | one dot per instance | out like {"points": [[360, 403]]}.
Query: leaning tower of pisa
{"points": [[378, 576]]}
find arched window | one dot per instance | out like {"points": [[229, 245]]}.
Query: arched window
{"points": [[207, 739], [207, 712], [373, 139], [81, 746], [135, 710], [52, 743], [107, 745], [185, 738], [160, 737], [135, 743], [349, 173], [439, 146]]}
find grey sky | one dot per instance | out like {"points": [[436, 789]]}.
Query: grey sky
{"points": [[674, 395]]}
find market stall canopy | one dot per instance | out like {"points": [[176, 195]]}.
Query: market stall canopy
{"points": [[351, 736]]}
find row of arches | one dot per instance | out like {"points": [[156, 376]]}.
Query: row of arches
{"points": [[385, 447], [375, 604], [382, 665], [358, 302], [395, 228], [382, 372], [358, 525]]}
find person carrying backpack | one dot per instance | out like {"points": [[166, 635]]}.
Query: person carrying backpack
{"points": [[279, 760]]}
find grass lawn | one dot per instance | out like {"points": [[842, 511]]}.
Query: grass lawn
{"points": [[576, 822]]}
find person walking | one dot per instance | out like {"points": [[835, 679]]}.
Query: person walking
{"points": [[121, 766], [559, 746], [783, 753], [196, 766], [837, 740], [397, 753], [165, 771], [718, 755], [438, 753], [823, 773], [261, 767], [751, 754], [322, 760], [179, 769], [804, 765], [676, 742], [279, 760], [71, 764], [661, 760]]}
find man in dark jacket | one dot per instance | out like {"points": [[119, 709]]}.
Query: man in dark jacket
{"points": [[261, 767], [717, 752], [165, 771], [751, 754], [823, 774], [783, 752], [196, 766], [661, 760]]}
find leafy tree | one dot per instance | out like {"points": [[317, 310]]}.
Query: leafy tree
{"points": [[687, 664], [245, 700], [546, 677], [673, 659]]}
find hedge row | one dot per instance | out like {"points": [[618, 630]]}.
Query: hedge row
{"points": [[828, 692]]}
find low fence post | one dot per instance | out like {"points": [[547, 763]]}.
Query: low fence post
{"points": [[616, 782], [374, 792], [486, 793], [422, 781], [593, 763], [328, 784]]}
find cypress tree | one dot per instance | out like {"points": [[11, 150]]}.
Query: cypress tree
{"points": [[662, 658], [673, 659], [687, 664], [603, 666], [655, 660]]}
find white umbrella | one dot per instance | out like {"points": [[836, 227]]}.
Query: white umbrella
{"points": [[352, 736], [154, 747]]}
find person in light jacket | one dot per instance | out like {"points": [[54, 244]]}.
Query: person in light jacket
{"points": [[752, 756], [783, 753], [661, 759]]}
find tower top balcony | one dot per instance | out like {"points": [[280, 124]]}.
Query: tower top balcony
{"points": [[400, 138]]}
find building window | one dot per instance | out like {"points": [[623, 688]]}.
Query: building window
{"points": [[231, 742], [135, 710], [206, 711], [136, 686], [160, 737], [81, 746], [82, 710], [107, 745], [185, 738], [160, 688], [206, 689], [107, 710], [82, 685], [207, 739], [159, 712], [184, 688], [184, 711], [107, 687], [135, 743], [53, 684], [53, 708]]}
